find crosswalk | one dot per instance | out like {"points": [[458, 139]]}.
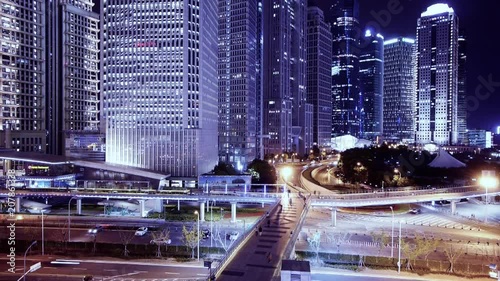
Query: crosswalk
{"points": [[429, 220]]}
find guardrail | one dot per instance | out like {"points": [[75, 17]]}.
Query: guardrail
{"points": [[242, 241], [291, 244]]}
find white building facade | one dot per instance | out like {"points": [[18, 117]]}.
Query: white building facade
{"points": [[159, 84], [437, 76]]}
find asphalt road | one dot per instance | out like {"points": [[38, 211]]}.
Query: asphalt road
{"points": [[104, 270]]}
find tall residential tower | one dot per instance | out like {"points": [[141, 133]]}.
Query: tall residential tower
{"points": [[437, 76], [159, 84]]}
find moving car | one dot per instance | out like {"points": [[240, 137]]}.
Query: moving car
{"points": [[160, 241], [141, 231], [233, 235], [415, 211], [96, 229], [205, 233]]}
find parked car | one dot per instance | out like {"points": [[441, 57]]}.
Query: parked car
{"points": [[141, 231], [415, 211], [161, 241], [205, 233], [233, 235], [96, 229]]}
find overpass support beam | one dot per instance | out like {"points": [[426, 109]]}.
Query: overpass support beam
{"points": [[18, 204], [233, 212], [142, 208], [334, 217], [202, 211], [79, 206], [453, 206]]}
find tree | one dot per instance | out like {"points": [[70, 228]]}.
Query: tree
{"points": [[224, 169], [59, 234], [125, 238], [338, 238], [190, 238], [315, 242], [381, 239], [217, 236], [265, 171], [453, 253], [162, 235]]}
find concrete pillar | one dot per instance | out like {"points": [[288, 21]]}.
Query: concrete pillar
{"points": [[245, 191], [178, 205], [79, 206], [334, 217], [142, 208], [208, 204], [433, 203], [202, 211], [226, 189], [156, 205], [265, 189], [453, 207], [233, 212], [18, 204]]}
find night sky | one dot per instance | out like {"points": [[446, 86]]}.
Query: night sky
{"points": [[481, 21]]}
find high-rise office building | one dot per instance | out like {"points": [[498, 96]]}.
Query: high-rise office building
{"points": [[237, 81], [371, 76], [22, 75], [344, 15], [462, 88], [437, 69], [159, 84], [72, 55], [399, 90], [287, 117], [259, 93], [319, 83]]}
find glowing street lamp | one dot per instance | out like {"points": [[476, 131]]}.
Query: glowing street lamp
{"points": [[397, 172], [286, 172], [487, 182]]}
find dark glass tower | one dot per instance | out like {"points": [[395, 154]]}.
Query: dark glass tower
{"points": [[462, 88], [345, 68], [371, 73]]}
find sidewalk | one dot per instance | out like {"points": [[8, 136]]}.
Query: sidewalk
{"points": [[253, 261]]}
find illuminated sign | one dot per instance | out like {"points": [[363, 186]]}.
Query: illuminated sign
{"points": [[38, 167]]}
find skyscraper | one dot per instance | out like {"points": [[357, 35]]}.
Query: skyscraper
{"points": [[462, 88], [23, 76], [399, 90], [159, 84], [437, 73], [237, 81], [371, 76], [319, 83], [345, 68], [287, 117], [72, 111]]}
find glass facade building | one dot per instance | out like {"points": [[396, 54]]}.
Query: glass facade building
{"points": [[399, 90], [286, 114], [462, 88], [319, 83], [237, 73], [371, 76], [22, 75], [437, 73], [72, 37], [159, 84]]}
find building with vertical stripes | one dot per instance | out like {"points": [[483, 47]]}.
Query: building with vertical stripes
{"points": [[237, 74], [437, 76], [159, 84], [399, 90]]}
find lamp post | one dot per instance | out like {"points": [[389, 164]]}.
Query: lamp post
{"points": [[392, 233], [24, 268], [69, 218], [198, 233], [43, 240], [211, 224], [487, 182], [399, 254]]}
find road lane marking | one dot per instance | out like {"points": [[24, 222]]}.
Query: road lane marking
{"points": [[107, 269], [79, 268], [174, 273]]}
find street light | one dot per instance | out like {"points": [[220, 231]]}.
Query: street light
{"points": [[397, 171], [43, 240], [198, 233], [392, 233], [24, 268], [399, 254], [487, 182], [69, 218]]}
